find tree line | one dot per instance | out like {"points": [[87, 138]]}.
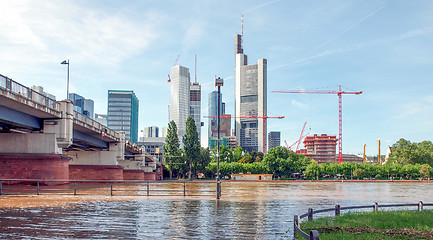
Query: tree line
{"points": [[407, 160]]}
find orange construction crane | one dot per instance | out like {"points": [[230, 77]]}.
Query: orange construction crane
{"points": [[264, 123], [340, 112]]}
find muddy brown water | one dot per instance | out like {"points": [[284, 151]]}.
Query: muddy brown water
{"points": [[246, 210]]}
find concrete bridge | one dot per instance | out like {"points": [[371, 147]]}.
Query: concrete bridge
{"points": [[41, 138]]}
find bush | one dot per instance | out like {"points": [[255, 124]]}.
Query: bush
{"points": [[377, 176]]}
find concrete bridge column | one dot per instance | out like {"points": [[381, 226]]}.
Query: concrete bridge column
{"points": [[63, 128], [98, 165], [32, 156]]}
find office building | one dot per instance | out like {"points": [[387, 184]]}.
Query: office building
{"points": [[82, 105], [195, 106], [152, 131], [250, 100], [101, 118], [274, 140], [123, 113], [179, 98]]}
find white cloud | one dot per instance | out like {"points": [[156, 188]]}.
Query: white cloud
{"points": [[192, 35], [43, 30], [416, 108], [300, 105]]}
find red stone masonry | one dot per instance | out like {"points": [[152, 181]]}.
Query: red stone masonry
{"points": [[34, 166], [95, 172], [133, 174]]}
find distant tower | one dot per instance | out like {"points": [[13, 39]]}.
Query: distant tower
{"points": [[152, 131], [179, 98], [123, 113], [195, 106], [250, 100], [274, 140]]}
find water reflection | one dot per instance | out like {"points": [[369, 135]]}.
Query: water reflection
{"points": [[247, 210]]}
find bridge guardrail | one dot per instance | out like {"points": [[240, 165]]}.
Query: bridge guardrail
{"points": [[95, 126], [105, 187], [26, 92], [314, 234]]}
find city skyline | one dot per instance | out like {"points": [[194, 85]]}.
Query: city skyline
{"points": [[381, 48]]}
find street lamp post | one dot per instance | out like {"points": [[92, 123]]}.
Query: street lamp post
{"points": [[219, 82], [67, 85]]}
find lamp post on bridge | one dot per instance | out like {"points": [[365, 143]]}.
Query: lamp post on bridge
{"points": [[219, 82], [67, 85]]}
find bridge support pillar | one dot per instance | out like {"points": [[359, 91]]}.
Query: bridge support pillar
{"points": [[63, 128], [32, 156], [97, 165]]}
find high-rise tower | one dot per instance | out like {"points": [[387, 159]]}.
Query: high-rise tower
{"points": [[123, 113], [250, 100], [195, 106], [179, 98]]}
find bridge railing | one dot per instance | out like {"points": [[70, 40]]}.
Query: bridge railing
{"points": [[26, 92], [314, 234], [96, 126], [105, 187]]}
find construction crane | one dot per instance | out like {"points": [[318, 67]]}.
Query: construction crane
{"points": [[300, 137], [175, 63], [340, 112], [264, 123]]}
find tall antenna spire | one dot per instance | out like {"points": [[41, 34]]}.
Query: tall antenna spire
{"points": [[196, 68], [242, 25]]}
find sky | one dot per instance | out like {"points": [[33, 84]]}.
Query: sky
{"points": [[383, 48]]}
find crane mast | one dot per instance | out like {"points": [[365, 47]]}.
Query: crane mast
{"points": [[340, 112]]}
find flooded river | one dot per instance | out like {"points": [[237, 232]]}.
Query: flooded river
{"points": [[247, 210]]}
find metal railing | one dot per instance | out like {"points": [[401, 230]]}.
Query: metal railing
{"points": [[94, 125], [101, 187], [26, 92], [314, 234]]}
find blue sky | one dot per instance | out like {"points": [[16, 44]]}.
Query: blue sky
{"points": [[383, 48]]}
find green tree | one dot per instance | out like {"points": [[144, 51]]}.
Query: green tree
{"points": [[425, 170], [312, 169], [191, 144], [204, 160], [359, 172], [406, 152], [237, 154], [172, 153], [273, 160]]}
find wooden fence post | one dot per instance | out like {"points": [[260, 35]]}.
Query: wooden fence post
{"points": [[314, 235], [420, 206], [295, 225], [310, 214]]}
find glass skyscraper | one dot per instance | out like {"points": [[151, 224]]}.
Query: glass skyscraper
{"points": [[123, 113], [250, 100], [195, 106], [82, 105], [179, 98]]}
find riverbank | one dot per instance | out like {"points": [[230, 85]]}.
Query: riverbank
{"points": [[375, 225], [334, 180]]}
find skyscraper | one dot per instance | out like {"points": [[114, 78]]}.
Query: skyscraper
{"points": [[152, 131], [274, 139], [82, 105], [213, 111], [250, 100], [179, 98], [195, 106], [123, 113]]}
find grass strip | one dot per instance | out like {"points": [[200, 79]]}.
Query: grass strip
{"points": [[374, 225]]}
